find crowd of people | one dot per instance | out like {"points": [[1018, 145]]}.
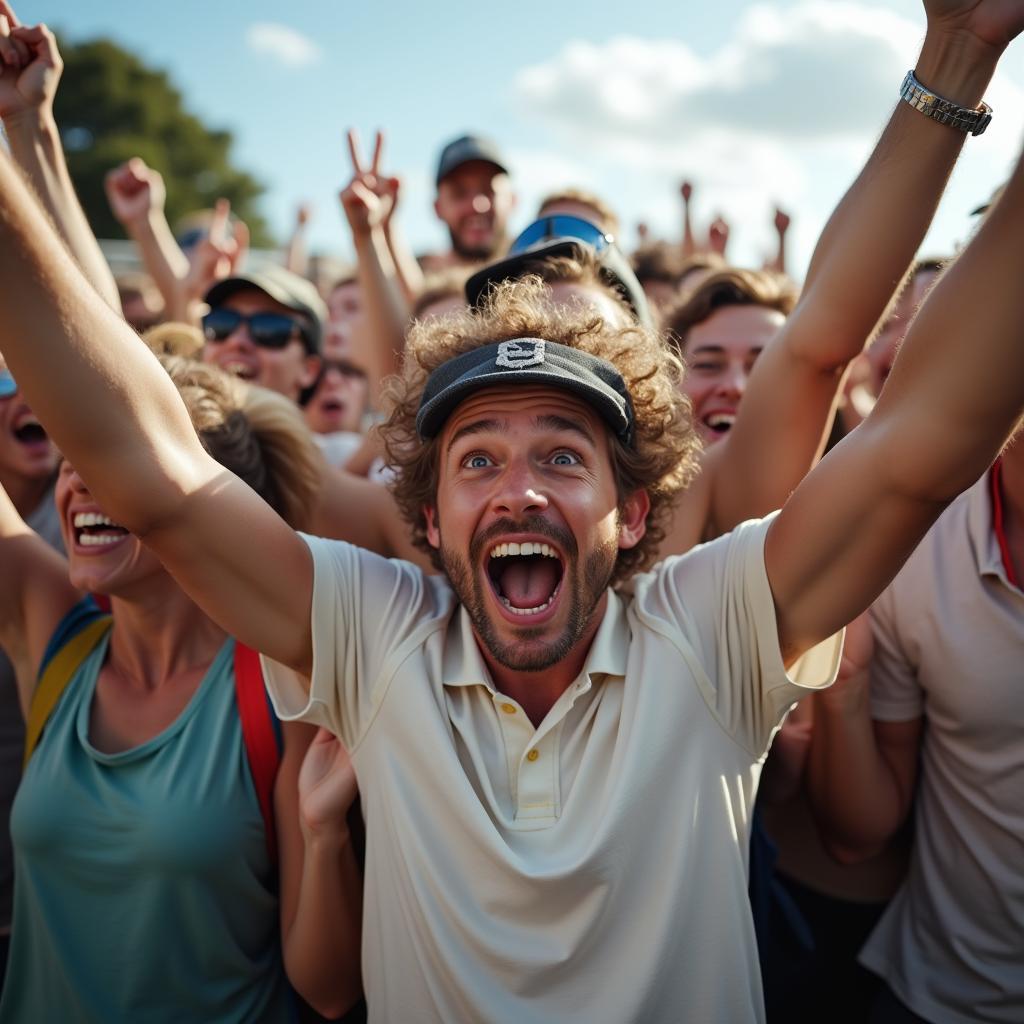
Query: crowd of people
{"points": [[528, 631]]}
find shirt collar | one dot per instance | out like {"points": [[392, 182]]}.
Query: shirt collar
{"points": [[983, 529], [463, 664]]}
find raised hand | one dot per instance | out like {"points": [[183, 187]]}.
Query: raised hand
{"points": [[718, 235], [303, 214], [993, 22], [686, 191], [134, 190], [370, 198], [218, 255], [327, 786], [782, 221], [30, 66]]}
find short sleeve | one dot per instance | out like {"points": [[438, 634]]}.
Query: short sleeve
{"points": [[896, 695], [367, 614], [719, 605]]}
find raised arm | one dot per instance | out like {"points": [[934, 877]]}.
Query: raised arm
{"points": [[296, 255], [859, 261], [367, 201], [690, 247], [26, 107], [35, 596], [955, 393], [110, 407]]}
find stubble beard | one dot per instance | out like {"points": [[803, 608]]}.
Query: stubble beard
{"points": [[583, 585]]}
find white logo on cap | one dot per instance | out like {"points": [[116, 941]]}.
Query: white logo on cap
{"points": [[517, 355]]}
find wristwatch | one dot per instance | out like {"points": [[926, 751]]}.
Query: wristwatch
{"points": [[971, 120]]}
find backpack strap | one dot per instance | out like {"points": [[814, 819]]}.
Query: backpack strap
{"points": [[261, 733], [59, 667]]}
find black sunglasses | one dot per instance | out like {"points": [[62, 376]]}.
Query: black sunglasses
{"points": [[561, 226], [268, 330]]}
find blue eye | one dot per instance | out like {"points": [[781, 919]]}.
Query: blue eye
{"points": [[477, 462], [565, 459]]}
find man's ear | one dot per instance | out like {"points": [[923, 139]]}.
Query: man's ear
{"points": [[433, 533], [633, 518]]}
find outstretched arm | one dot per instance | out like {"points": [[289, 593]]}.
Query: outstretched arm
{"points": [[859, 261], [26, 107], [113, 411], [955, 393]]}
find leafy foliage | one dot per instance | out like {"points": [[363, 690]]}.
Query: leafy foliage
{"points": [[111, 107]]}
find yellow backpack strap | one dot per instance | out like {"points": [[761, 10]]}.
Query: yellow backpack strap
{"points": [[56, 676]]}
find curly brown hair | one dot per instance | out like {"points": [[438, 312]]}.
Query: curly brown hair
{"points": [[663, 459]]}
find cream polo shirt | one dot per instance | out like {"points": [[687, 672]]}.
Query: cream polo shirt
{"points": [[949, 645], [594, 868]]}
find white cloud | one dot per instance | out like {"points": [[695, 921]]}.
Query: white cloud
{"points": [[785, 110], [282, 44]]}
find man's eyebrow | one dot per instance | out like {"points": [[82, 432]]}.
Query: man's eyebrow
{"points": [[553, 422], [707, 348], [476, 427]]}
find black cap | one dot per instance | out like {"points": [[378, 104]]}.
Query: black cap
{"points": [[527, 361], [283, 286], [614, 269], [466, 148]]}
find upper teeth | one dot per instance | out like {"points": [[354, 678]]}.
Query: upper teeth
{"points": [[27, 421], [526, 548], [92, 519], [720, 419], [237, 368]]}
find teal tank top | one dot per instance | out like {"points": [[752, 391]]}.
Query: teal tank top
{"points": [[143, 886]]}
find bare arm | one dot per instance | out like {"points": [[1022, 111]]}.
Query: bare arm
{"points": [[860, 259], [136, 195], [690, 247], [296, 258], [109, 406], [36, 594], [367, 201], [322, 887], [955, 393], [781, 224], [26, 106]]}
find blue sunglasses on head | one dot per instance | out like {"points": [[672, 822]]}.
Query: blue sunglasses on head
{"points": [[8, 385], [561, 226]]}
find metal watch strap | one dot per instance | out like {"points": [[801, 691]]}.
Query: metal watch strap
{"points": [[965, 119]]}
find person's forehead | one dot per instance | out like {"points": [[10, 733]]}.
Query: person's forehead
{"points": [[344, 297], [478, 173], [570, 293], [736, 327], [534, 406]]}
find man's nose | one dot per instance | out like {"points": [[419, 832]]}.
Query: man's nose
{"points": [[519, 492], [482, 203], [733, 382]]}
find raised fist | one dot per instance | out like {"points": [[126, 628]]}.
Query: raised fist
{"points": [[134, 190], [30, 66]]}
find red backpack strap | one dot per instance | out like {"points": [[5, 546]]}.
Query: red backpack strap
{"points": [[260, 734]]}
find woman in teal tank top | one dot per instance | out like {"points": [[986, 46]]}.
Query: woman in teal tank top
{"points": [[145, 887]]}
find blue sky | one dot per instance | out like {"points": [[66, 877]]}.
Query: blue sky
{"points": [[623, 98]]}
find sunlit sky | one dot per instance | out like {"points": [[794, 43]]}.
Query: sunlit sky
{"points": [[624, 99]]}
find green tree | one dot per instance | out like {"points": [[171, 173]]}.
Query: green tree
{"points": [[111, 107]]}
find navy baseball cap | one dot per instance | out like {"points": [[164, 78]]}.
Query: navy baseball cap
{"points": [[527, 361], [466, 148]]}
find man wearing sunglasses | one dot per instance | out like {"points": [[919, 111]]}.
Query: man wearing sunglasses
{"points": [[266, 327]]}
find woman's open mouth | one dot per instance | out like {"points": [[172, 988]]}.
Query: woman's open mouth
{"points": [[95, 530], [526, 577]]}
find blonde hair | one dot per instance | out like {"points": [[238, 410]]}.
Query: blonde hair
{"points": [[663, 459], [175, 339], [257, 434], [604, 216]]}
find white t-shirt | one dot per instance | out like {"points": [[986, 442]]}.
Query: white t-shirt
{"points": [[594, 868], [949, 645]]}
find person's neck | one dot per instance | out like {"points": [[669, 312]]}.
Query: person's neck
{"points": [[27, 493], [1012, 480], [160, 633], [537, 692]]}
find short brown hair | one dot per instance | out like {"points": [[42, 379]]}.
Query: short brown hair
{"points": [[732, 287], [663, 459], [605, 217]]}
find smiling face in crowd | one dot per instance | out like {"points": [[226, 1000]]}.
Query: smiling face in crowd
{"points": [[720, 353], [475, 201]]}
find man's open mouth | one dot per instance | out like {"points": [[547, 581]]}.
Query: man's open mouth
{"points": [[526, 577], [93, 529], [720, 422], [28, 430]]}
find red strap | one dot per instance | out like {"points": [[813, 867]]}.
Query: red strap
{"points": [[258, 734], [999, 521]]}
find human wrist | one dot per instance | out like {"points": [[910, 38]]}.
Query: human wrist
{"points": [[956, 65], [31, 121], [326, 838]]}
